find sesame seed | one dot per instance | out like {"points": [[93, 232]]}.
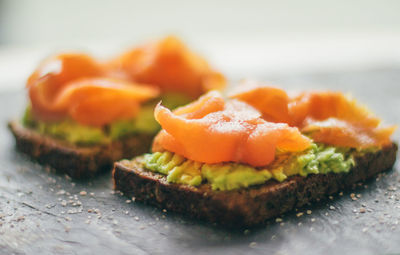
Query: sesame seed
{"points": [[61, 192], [252, 244]]}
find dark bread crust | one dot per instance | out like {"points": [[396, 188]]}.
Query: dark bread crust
{"points": [[244, 207], [76, 161]]}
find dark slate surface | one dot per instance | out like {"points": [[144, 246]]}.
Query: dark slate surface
{"points": [[45, 213]]}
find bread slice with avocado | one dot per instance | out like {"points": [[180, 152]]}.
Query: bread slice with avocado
{"points": [[240, 160], [250, 206], [82, 151], [77, 161]]}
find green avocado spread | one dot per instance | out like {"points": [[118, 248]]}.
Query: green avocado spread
{"points": [[319, 159], [73, 132]]}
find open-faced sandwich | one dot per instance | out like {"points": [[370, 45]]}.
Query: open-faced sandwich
{"points": [[83, 114], [240, 160]]}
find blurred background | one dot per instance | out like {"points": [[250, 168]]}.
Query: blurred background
{"points": [[254, 39]]}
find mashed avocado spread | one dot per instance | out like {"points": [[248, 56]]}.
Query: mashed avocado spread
{"points": [[76, 133], [73, 132], [319, 159]]}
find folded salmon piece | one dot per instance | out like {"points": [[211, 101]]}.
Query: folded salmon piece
{"points": [[156, 69], [327, 117], [73, 86], [169, 65], [53, 75], [214, 130]]}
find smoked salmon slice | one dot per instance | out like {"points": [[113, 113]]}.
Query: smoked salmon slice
{"points": [[232, 133], [337, 119], [53, 74], [343, 133], [72, 85], [170, 65], [272, 102], [324, 105], [210, 102], [60, 69], [327, 117], [96, 101]]}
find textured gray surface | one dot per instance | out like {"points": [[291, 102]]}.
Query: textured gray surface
{"points": [[41, 212]]}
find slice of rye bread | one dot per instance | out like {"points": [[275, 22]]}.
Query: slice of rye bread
{"points": [[77, 161], [248, 206]]}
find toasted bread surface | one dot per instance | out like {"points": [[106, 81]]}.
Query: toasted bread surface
{"points": [[249, 206], [76, 161]]}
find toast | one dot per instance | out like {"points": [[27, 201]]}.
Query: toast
{"points": [[237, 162], [110, 104], [76, 161], [245, 207]]}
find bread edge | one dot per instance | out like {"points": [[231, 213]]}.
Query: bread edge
{"points": [[78, 162]]}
